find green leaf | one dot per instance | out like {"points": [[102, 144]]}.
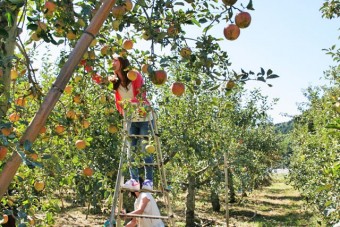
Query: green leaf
{"points": [[207, 28], [202, 20], [32, 19], [250, 5], [215, 87], [262, 71], [193, 20], [27, 145], [269, 72], [179, 4], [33, 27], [19, 3], [9, 19], [261, 78], [272, 76]]}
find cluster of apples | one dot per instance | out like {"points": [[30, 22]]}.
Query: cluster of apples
{"points": [[242, 20], [158, 77]]}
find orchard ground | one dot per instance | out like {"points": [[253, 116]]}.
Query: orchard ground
{"points": [[276, 205]]}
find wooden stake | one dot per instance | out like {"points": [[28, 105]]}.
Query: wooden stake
{"points": [[54, 93], [227, 188]]}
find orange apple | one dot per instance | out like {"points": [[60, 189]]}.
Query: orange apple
{"points": [[128, 44], [243, 19], [43, 130], [50, 6], [33, 156], [80, 144], [59, 129], [128, 5], [132, 75], [68, 89], [77, 99], [172, 31], [88, 171], [3, 152], [13, 117], [118, 11], [230, 84], [85, 123], [178, 88], [231, 32], [159, 77], [185, 52], [71, 114], [14, 74], [104, 50], [6, 131], [112, 129], [35, 36], [145, 68], [4, 219], [39, 185], [71, 36], [20, 101]]}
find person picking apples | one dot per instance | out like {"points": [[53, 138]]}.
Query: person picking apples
{"points": [[145, 204], [127, 86]]}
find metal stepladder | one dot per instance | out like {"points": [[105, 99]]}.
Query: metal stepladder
{"points": [[117, 206]]}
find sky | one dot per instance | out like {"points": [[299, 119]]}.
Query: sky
{"points": [[287, 37]]}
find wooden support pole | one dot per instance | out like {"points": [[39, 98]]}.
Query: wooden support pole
{"points": [[227, 188], [54, 93]]}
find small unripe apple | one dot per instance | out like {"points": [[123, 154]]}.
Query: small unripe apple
{"points": [[39, 185], [150, 148]]}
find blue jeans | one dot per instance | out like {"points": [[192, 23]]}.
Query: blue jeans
{"points": [[140, 128]]}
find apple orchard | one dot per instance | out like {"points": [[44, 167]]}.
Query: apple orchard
{"points": [[72, 154]]}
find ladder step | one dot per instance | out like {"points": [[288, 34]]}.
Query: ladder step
{"points": [[140, 136], [144, 190], [143, 216], [146, 164]]}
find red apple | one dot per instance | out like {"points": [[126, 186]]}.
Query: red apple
{"points": [[243, 19], [159, 77], [178, 88], [231, 32]]}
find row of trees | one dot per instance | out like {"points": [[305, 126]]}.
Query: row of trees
{"points": [[314, 142]]}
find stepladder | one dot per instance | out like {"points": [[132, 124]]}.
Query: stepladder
{"points": [[148, 144]]}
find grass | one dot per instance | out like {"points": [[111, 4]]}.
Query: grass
{"points": [[277, 205]]}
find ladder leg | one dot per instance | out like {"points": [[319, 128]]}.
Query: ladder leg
{"points": [[117, 186], [161, 168]]}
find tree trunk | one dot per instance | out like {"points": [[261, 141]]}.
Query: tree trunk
{"points": [[190, 202], [7, 47], [215, 200], [232, 198]]}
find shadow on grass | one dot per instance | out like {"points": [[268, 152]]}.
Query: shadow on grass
{"points": [[293, 198], [288, 219]]}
